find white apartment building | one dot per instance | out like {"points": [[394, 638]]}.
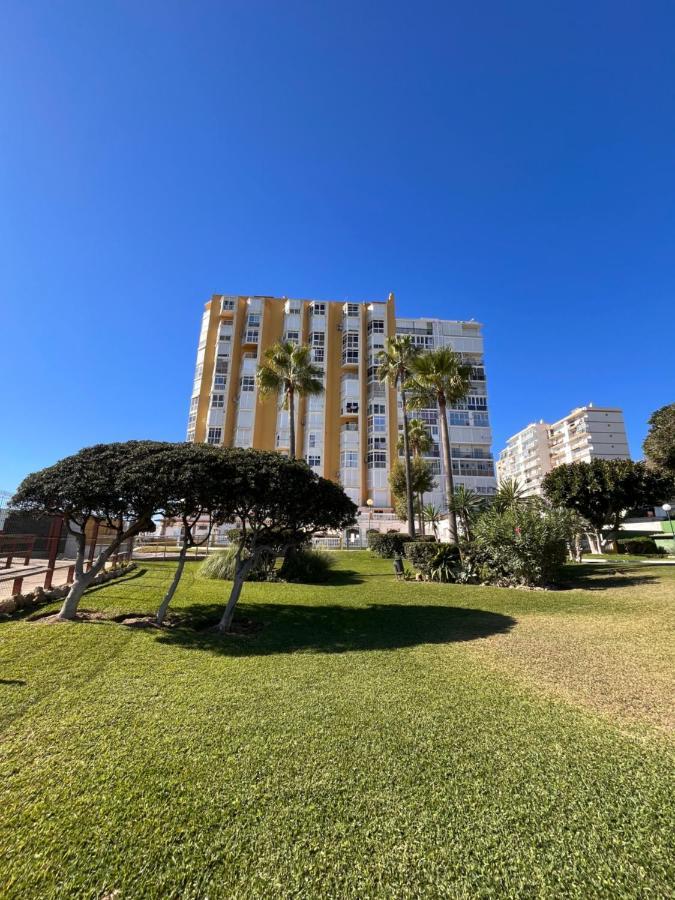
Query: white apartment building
{"points": [[350, 432], [588, 432]]}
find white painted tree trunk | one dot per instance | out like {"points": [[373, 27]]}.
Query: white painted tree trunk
{"points": [[83, 579], [168, 597]]}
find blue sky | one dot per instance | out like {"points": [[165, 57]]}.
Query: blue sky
{"points": [[508, 162]]}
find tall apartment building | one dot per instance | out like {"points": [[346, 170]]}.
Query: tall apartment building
{"points": [[350, 432], [589, 432]]}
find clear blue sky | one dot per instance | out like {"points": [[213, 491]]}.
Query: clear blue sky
{"points": [[508, 162]]}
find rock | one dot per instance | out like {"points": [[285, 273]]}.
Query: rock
{"points": [[8, 606]]}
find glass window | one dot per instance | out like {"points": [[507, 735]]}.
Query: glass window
{"points": [[376, 409], [317, 338], [217, 401], [350, 347], [253, 319], [313, 461], [351, 309], [376, 326], [318, 354], [377, 423], [252, 335], [377, 459], [226, 304], [349, 459], [248, 383], [214, 436], [351, 408], [311, 440], [318, 309]]}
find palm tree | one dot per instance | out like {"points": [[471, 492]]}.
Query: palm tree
{"points": [[395, 363], [419, 442], [510, 493], [433, 516], [439, 379], [466, 505], [288, 368]]}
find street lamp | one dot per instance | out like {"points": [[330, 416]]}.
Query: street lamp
{"points": [[369, 504], [667, 508]]}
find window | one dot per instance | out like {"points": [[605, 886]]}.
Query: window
{"points": [[318, 309], [253, 319], [217, 401], [198, 371], [313, 461], [227, 303], [311, 440], [349, 459], [350, 347], [351, 408], [317, 338], [377, 423], [222, 366], [252, 335], [214, 436], [377, 459], [351, 309], [293, 337], [248, 383], [194, 403], [459, 418], [219, 381], [476, 402], [480, 419], [318, 354], [190, 436], [376, 409], [376, 326], [294, 307], [377, 442]]}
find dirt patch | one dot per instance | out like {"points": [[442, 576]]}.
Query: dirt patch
{"points": [[239, 628], [84, 615]]}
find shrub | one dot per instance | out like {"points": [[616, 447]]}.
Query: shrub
{"points": [[519, 546], [387, 545], [307, 566], [420, 554], [639, 546], [446, 564]]}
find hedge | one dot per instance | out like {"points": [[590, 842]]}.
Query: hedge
{"points": [[387, 545], [639, 546]]}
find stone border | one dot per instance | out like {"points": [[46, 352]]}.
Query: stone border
{"points": [[40, 597]]}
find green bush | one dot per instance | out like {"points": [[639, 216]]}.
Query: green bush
{"points": [[519, 546], [420, 554], [307, 566], [640, 546], [387, 545], [447, 564]]}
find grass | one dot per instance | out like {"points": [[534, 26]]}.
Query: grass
{"points": [[375, 739]]}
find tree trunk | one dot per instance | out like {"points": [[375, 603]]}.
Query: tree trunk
{"points": [[447, 465], [408, 468], [168, 597], [84, 579], [421, 515], [291, 423], [238, 583]]}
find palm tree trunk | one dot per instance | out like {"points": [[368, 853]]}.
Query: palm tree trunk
{"points": [[291, 415], [447, 465], [408, 468], [421, 516]]}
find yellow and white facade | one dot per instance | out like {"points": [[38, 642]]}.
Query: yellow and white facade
{"points": [[350, 432]]}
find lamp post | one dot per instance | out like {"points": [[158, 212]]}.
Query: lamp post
{"points": [[369, 504], [667, 508]]}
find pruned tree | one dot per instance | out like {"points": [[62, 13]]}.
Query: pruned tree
{"points": [[394, 366], [278, 503], [114, 484], [288, 368], [659, 445], [200, 482], [438, 378], [603, 490]]}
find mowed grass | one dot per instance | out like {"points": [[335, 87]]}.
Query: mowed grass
{"points": [[375, 739]]}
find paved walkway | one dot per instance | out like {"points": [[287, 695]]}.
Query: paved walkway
{"points": [[33, 575]]}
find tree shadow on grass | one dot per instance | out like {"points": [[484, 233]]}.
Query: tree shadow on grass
{"points": [[292, 628], [137, 573], [598, 577]]}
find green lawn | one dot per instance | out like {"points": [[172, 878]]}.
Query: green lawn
{"points": [[375, 739]]}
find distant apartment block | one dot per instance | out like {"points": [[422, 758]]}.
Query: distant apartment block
{"points": [[589, 432], [350, 432]]}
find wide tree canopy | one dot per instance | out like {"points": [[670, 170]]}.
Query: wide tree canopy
{"points": [[603, 489], [659, 445], [116, 484], [278, 503]]}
